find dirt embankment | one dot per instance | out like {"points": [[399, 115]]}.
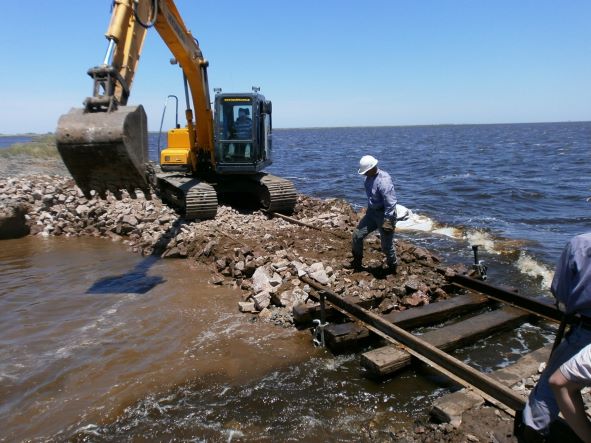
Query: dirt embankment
{"points": [[261, 257]]}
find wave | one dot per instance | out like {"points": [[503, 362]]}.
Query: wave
{"points": [[526, 264], [411, 221], [529, 266]]}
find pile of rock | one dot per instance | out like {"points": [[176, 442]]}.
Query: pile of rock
{"points": [[262, 257], [329, 213], [56, 206]]}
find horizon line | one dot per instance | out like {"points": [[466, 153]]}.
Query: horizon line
{"points": [[16, 134]]}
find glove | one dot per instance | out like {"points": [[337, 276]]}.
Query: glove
{"points": [[388, 226]]}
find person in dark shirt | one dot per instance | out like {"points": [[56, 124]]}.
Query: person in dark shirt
{"points": [[242, 131], [243, 125]]}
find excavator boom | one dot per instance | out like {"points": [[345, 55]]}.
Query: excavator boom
{"points": [[104, 145]]}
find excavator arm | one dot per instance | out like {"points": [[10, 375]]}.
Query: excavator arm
{"points": [[105, 144], [185, 49]]}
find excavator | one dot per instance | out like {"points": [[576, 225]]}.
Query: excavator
{"points": [[221, 151]]}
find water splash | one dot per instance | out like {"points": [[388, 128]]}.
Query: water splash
{"points": [[529, 266]]}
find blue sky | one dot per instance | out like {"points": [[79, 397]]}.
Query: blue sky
{"points": [[321, 62]]}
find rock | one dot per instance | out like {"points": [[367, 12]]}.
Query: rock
{"points": [[280, 265], [289, 299], [416, 299], [315, 267], [411, 285], [220, 264], [209, 247], [13, 221], [249, 268], [82, 209], [387, 305], [275, 280], [262, 300], [261, 280], [320, 276], [129, 220], [421, 253], [440, 294], [246, 306], [164, 219], [216, 279]]}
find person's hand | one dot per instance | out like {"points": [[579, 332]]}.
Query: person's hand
{"points": [[388, 226]]}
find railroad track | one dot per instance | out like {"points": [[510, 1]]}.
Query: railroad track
{"points": [[429, 348], [364, 326]]}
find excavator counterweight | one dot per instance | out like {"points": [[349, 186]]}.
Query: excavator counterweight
{"points": [[105, 151]]}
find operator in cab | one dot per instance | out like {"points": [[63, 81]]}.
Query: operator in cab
{"points": [[380, 214], [243, 125], [242, 131]]}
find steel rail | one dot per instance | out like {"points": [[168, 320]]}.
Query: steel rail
{"points": [[528, 304], [426, 352]]}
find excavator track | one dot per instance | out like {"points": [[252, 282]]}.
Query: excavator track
{"points": [[194, 198], [277, 194], [197, 199]]}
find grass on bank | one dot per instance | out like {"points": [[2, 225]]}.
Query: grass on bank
{"points": [[41, 146]]}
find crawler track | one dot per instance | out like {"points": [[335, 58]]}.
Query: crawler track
{"points": [[193, 197], [277, 194]]}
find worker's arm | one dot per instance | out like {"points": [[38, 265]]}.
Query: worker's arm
{"points": [[563, 276], [570, 402], [386, 188]]}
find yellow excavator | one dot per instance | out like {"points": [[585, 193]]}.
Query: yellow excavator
{"points": [[105, 144]]}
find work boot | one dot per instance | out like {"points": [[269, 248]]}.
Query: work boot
{"points": [[524, 433], [393, 268], [355, 264]]}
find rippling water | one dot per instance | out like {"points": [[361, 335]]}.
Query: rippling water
{"points": [[8, 140], [97, 344]]}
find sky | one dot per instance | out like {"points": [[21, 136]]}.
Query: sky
{"points": [[323, 63]]}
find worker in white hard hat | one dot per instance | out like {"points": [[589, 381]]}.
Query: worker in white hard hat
{"points": [[380, 214]]}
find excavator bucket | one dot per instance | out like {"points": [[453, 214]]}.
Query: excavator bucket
{"points": [[105, 151]]}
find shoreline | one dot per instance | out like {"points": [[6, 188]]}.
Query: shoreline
{"points": [[261, 257]]}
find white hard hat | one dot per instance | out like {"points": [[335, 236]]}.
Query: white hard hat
{"points": [[366, 163]]}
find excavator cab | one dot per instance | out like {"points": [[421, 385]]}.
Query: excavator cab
{"points": [[243, 142]]}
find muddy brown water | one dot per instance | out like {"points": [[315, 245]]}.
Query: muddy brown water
{"points": [[87, 329], [99, 344]]}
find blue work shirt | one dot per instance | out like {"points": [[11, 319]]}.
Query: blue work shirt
{"points": [[572, 280], [243, 128], [380, 193]]}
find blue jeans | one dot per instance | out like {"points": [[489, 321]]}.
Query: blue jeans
{"points": [[541, 407], [372, 220]]}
